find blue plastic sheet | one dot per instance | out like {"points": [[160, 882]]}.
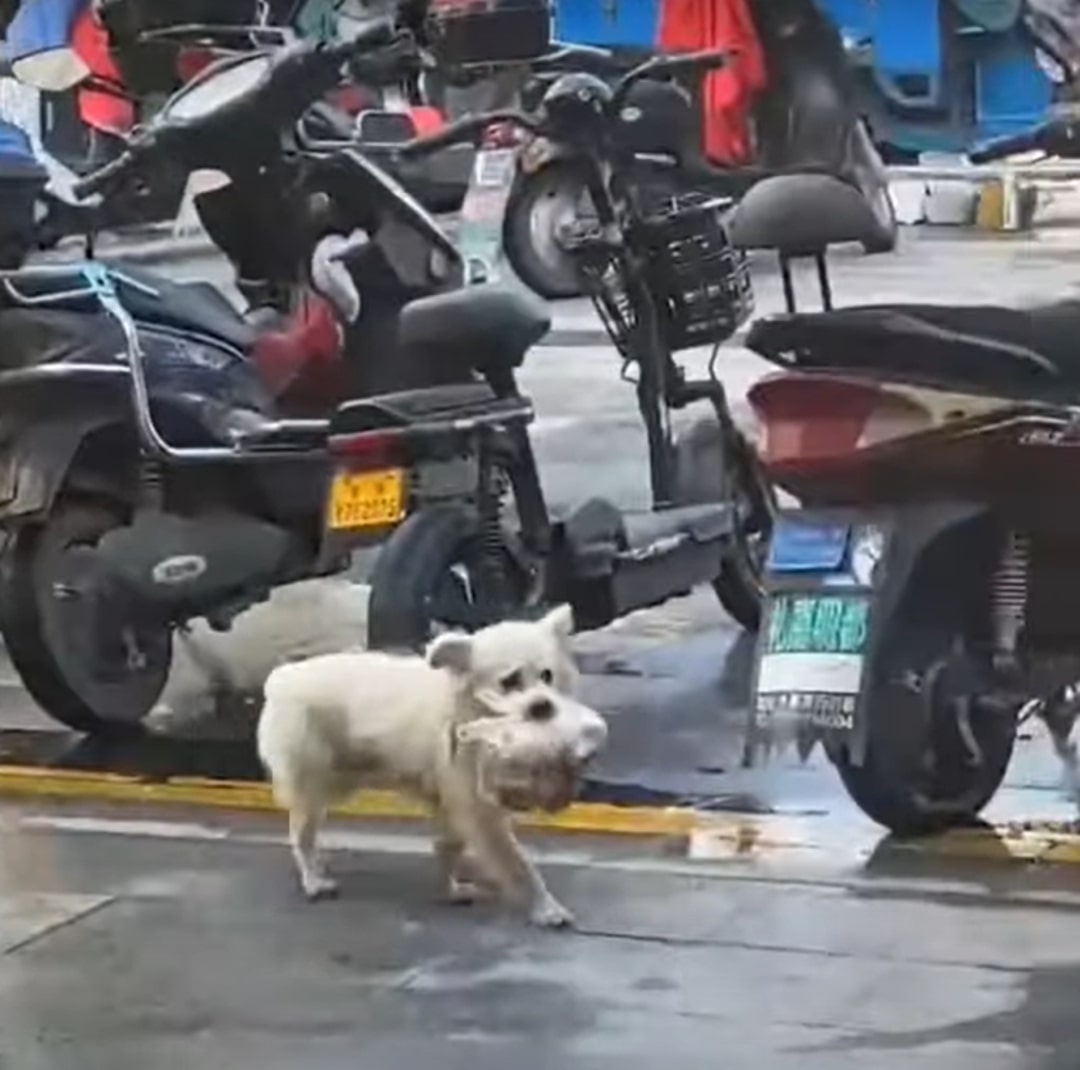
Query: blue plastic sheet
{"points": [[39, 44]]}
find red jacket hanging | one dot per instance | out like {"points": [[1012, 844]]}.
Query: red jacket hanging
{"points": [[689, 25], [104, 103]]}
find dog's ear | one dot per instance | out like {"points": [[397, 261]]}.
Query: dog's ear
{"points": [[451, 650], [560, 621]]}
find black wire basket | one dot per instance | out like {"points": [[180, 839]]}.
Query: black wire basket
{"points": [[699, 281]]}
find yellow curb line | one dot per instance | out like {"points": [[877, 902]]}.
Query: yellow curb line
{"points": [[25, 781], [750, 834]]}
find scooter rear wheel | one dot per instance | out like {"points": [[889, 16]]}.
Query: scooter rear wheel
{"points": [[436, 571], [50, 624], [923, 770]]}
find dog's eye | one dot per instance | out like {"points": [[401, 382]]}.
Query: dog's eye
{"points": [[546, 676], [513, 682]]}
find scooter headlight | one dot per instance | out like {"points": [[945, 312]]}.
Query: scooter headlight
{"points": [[867, 550]]}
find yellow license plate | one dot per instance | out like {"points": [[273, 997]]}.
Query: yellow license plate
{"points": [[366, 499]]}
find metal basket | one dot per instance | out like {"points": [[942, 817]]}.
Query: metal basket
{"points": [[699, 280]]}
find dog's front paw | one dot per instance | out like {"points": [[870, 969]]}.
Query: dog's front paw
{"points": [[551, 914], [463, 893], [316, 888]]}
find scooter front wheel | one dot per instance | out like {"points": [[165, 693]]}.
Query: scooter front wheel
{"points": [[540, 206], [80, 660]]}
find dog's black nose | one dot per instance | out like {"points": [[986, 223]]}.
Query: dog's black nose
{"points": [[540, 709]]}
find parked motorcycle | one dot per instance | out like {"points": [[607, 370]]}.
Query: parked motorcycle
{"points": [[150, 477], [804, 122], [666, 279], [925, 589], [484, 229]]}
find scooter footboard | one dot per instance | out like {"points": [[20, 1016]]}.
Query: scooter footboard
{"points": [[836, 580]]}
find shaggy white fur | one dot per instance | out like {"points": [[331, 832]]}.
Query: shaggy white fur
{"points": [[438, 727]]}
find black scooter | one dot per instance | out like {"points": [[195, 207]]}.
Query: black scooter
{"points": [[148, 476], [667, 278], [804, 122]]}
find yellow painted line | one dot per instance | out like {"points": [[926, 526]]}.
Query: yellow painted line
{"points": [[709, 835], [22, 781]]}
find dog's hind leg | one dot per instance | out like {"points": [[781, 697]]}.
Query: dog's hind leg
{"points": [[304, 819]]}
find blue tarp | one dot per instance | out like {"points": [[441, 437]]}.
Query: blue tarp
{"points": [[41, 30]]}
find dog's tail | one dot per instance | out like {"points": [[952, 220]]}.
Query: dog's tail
{"points": [[283, 737]]}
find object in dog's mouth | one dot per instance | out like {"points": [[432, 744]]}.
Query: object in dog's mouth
{"points": [[519, 771]]}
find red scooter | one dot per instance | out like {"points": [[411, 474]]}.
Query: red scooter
{"points": [[925, 591]]}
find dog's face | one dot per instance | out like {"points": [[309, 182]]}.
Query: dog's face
{"points": [[516, 679]]}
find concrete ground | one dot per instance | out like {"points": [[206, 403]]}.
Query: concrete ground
{"points": [[132, 940]]}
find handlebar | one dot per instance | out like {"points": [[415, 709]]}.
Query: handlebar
{"points": [[674, 63], [462, 131], [98, 180], [303, 64], [1000, 147], [470, 128], [1059, 136], [576, 58]]}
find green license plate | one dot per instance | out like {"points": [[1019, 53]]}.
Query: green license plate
{"points": [[811, 658]]}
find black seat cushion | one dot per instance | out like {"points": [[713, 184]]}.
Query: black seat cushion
{"points": [[801, 214], [975, 346], [487, 327], [186, 306]]}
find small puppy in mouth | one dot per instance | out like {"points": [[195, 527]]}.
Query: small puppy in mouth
{"points": [[480, 726]]}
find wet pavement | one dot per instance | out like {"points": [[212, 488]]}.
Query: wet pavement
{"points": [[152, 942]]}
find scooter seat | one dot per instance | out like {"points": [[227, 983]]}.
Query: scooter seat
{"points": [[489, 327], [803, 214], [184, 306], [977, 346]]}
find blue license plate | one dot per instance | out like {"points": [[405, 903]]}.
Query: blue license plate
{"points": [[797, 546]]}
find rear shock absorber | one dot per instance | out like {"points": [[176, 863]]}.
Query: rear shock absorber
{"points": [[492, 487], [1010, 595]]}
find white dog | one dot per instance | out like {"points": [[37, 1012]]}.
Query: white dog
{"points": [[482, 725]]}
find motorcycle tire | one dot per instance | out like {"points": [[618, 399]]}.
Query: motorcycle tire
{"points": [[432, 548], [537, 205], [44, 638], [703, 475], [895, 785]]}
